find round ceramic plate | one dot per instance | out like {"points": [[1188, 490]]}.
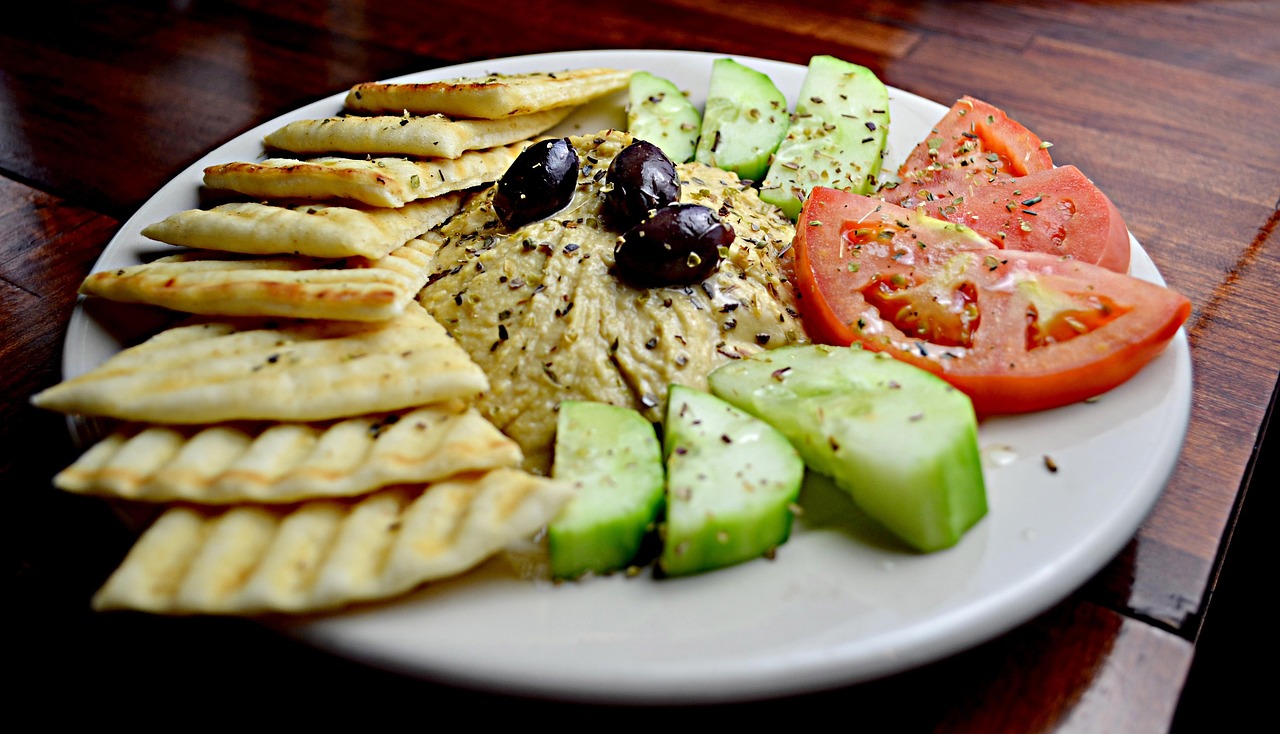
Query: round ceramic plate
{"points": [[840, 603]]}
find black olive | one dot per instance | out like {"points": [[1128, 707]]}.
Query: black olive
{"points": [[539, 183], [679, 245], [641, 178]]}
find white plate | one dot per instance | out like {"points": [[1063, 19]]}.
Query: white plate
{"points": [[839, 604]]}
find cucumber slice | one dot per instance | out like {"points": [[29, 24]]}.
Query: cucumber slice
{"points": [[744, 120], [612, 456], [732, 482], [657, 111], [837, 138], [900, 440]]}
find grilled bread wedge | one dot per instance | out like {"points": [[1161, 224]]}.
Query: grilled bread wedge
{"points": [[433, 136], [314, 230], [491, 97], [274, 463], [210, 371], [379, 182], [323, 554], [223, 284]]}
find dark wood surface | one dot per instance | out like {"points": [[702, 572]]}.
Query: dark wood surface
{"points": [[1172, 108]]}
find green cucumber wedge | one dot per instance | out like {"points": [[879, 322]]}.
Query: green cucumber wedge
{"points": [[657, 111], [744, 120], [901, 441], [732, 483], [612, 456], [837, 137]]}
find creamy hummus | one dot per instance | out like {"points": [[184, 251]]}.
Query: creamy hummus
{"points": [[539, 310]]}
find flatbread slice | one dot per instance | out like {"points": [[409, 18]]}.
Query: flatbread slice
{"points": [[210, 371], [491, 97], [287, 462], [432, 136], [326, 554], [379, 182], [224, 284], [314, 230]]}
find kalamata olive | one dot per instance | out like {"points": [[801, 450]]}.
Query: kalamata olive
{"points": [[641, 178], [679, 245], [539, 183]]}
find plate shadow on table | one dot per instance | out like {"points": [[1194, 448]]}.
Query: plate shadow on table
{"points": [[1231, 683]]}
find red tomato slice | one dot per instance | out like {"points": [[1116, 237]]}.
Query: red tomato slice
{"points": [[973, 141], [1057, 211], [1016, 331]]}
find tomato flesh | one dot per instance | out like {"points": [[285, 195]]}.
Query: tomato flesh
{"points": [[941, 310], [1058, 211], [974, 141], [1016, 331]]}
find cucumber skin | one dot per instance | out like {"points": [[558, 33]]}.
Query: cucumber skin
{"points": [[612, 456], [658, 112], [908, 455], [741, 137], [720, 511], [836, 101]]}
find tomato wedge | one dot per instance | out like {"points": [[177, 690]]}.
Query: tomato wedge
{"points": [[1016, 331], [973, 141], [1058, 211]]}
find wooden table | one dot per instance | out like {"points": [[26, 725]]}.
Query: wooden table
{"points": [[1173, 108]]}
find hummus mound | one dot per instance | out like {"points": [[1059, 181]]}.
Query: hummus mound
{"points": [[541, 312]]}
